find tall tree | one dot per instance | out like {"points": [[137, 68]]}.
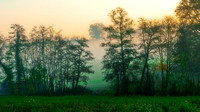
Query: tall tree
{"points": [[187, 54], [119, 38], [169, 37], [18, 35], [149, 35], [41, 42], [111, 65]]}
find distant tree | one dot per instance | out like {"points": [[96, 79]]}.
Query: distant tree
{"points": [[119, 49], [96, 31]]}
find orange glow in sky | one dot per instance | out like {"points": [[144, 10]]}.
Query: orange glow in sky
{"points": [[75, 16]]}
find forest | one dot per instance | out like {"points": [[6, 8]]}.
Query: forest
{"points": [[150, 57]]}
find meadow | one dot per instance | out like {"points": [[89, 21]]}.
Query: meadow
{"points": [[98, 104]]}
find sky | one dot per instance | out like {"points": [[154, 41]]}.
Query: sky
{"points": [[74, 17]]}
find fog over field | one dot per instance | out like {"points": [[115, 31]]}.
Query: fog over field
{"points": [[105, 47], [96, 81]]}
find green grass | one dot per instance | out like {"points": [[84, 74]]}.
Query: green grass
{"points": [[98, 104]]}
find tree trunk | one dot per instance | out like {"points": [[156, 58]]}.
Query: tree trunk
{"points": [[163, 82], [117, 84], [143, 71], [19, 67]]}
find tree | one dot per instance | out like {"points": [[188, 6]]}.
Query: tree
{"points": [[80, 58], [188, 14], [111, 65], [186, 51], [39, 36], [6, 66], [149, 35], [164, 46], [67, 62], [119, 40], [168, 34], [188, 11], [18, 35], [46, 63], [96, 31], [42, 46]]}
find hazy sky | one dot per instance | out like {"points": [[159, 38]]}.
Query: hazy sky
{"points": [[75, 16]]}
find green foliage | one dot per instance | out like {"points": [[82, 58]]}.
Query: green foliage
{"points": [[96, 31], [120, 50], [99, 103], [35, 81], [162, 60]]}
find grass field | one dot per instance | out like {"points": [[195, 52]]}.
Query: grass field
{"points": [[98, 104]]}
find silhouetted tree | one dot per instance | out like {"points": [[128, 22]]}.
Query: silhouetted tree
{"points": [[111, 65], [169, 37], [6, 66], [149, 35], [119, 40], [186, 52], [80, 58], [18, 36]]}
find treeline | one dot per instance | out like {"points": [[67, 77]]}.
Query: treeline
{"points": [[152, 57], [45, 63], [160, 57]]}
